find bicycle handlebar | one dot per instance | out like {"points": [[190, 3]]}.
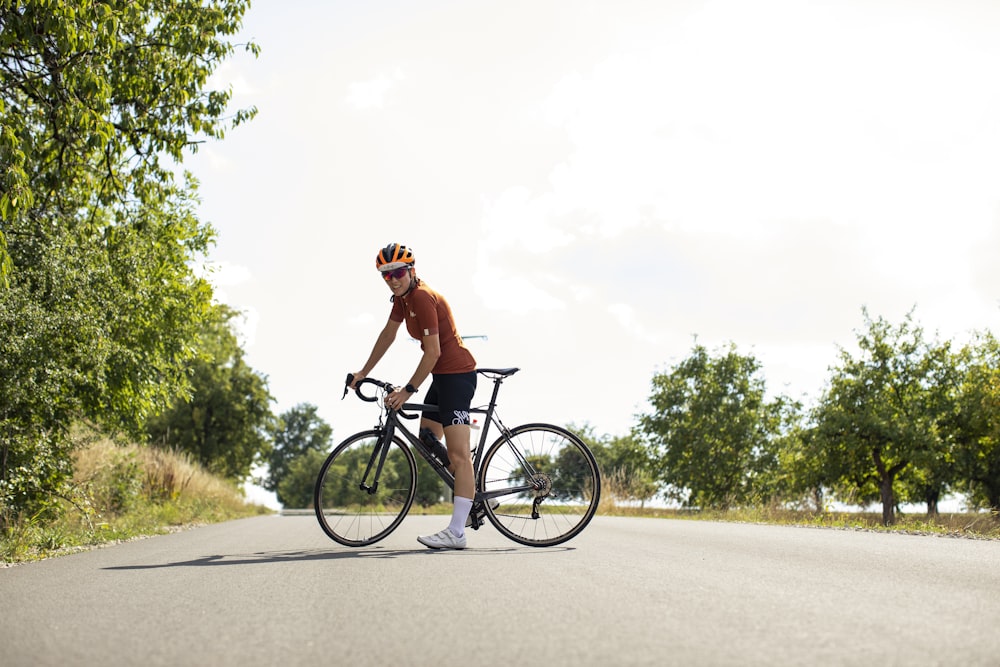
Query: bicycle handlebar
{"points": [[388, 388]]}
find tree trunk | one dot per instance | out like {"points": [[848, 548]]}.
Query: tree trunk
{"points": [[818, 499], [885, 478], [888, 504], [932, 504]]}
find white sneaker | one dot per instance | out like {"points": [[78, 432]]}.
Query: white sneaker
{"points": [[443, 540], [481, 514]]}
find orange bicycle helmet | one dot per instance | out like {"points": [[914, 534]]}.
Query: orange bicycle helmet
{"points": [[393, 256]]}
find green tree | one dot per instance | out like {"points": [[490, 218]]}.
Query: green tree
{"points": [[224, 421], [625, 464], [976, 430], [97, 94], [38, 401], [712, 429], [295, 490], [296, 432], [801, 478], [340, 488], [97, 237], [883, 411]]}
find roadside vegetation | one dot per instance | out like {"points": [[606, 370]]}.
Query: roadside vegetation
{"points": [[124, 492], [107, 320], [970, 525]]}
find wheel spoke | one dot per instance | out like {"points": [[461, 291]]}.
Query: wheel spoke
{"points": [[349, 513], [550, 484]]}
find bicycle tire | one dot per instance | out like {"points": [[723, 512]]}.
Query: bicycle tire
{"points": [[348, 513], [564, 470]]}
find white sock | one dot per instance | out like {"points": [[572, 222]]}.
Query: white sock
{"points": [[459, 513]]}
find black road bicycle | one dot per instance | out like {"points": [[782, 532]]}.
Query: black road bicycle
{"points": [[538, 484]]}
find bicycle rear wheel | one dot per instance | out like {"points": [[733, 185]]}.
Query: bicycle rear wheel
{"points": [[548, 481], [352, 506]]}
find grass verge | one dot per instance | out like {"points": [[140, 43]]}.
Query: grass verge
{"points": [[965, 525], [126, 492], [616, 501]]}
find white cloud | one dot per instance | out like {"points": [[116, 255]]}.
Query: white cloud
{"points": [[518, 218], [227, 274], [245, 326], [626, 316], [502, 291], [372, 94], [234, 75]]}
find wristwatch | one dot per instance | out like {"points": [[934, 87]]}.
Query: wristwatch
{"points": [[410, 388]]}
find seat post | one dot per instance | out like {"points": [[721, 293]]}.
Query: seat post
{"points": [[496, 391], [490, 409]]}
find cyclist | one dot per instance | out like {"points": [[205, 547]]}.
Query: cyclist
{"points": [[429, 319]]}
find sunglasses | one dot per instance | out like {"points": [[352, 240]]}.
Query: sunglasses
{"points": [[395, 274]]}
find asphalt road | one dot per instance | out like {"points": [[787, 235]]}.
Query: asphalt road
{"points": [[275, 591]]}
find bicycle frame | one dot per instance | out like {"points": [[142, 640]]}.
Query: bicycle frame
{"points": [[390, 423]]}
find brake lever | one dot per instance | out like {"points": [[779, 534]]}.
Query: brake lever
{"points": [[347, 385], [391, 388]]}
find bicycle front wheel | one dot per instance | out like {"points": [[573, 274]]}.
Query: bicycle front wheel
{"points": [[357, 503], [546, 481]]}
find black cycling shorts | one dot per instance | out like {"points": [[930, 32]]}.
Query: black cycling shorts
{"points": [[452, 393]]}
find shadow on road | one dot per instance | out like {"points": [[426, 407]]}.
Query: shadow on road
{"points": [[326, 555]]}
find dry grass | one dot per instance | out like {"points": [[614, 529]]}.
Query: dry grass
{"points": [[967, 525], [122, 492], [617, 498], [984, 525], [162, 475]]}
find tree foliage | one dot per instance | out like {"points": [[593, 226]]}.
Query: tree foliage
{"points": [[98, 299], [340, 486], [97, 93], [224, 421], [625, 464], [296, 433], [712, 429], [295, 490], [883, 411], [977, 422]]}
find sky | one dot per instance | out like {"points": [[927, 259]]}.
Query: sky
{"points": [[596, 187]]}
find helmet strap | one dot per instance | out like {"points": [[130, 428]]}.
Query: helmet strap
{"points": [[414, 283]]}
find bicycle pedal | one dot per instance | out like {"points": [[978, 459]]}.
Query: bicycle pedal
{"points": [[477, 517]]}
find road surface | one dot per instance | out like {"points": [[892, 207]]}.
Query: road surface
{"points": [[275, 591]]}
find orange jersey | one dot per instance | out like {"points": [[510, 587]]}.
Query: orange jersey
{"points": [[427, 313]]}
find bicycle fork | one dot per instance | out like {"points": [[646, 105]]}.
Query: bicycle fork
{"points": [[380, 452]]}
